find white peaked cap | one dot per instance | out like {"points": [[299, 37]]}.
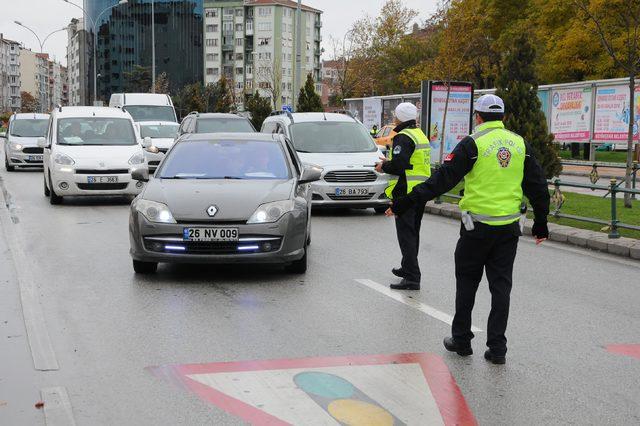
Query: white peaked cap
{"points": [[406, 111], [489, 103]]}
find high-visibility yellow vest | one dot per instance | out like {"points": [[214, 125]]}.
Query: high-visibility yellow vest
{"points": [[420, 161], [493, 189]]}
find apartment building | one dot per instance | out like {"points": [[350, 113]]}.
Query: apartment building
{"points": [[9, 75], [77, 63], [34, 76], [252, 43], [55, 84]]}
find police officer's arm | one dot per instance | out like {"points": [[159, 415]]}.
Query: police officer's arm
{"points": [[455, 167], [536, 189], [400, 162]]}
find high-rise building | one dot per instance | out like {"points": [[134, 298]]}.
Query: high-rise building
{"points": [[78, 51], [34, 76], [125, 45], [55, 84], [9, 75], [252, 43]]}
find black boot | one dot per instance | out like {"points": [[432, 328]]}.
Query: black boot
{"points": [[398, 272], [452, 346], [405, 284], [493, 358]]}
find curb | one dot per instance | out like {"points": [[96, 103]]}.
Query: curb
{"points": [[623, 247]]}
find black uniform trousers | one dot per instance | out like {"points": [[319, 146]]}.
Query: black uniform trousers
{"points": [[490, 249], [408, 230]]}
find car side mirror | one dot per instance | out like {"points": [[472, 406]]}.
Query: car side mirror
{"points": [[310, 174], [42, 143], [141, 175], [146, 143]]}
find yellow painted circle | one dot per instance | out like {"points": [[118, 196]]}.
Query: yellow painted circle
{"points": [[357, 413]]}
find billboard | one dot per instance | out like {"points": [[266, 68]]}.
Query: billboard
{"points": [[371, 112], [613, 114], [459, 116], [571, 114]]}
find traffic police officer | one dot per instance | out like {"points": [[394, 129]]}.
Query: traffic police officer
{"points": [[410, 164], [499, 167], [374, 131]]}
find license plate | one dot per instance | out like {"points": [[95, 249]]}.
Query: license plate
{"points": [[35, 158], [102, 179], [210, 234], [351, 191]]}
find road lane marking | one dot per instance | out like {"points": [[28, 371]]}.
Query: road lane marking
{"points": [[57, 407], [412, 303], [44, 357]]}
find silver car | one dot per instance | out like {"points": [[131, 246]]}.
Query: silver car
{"points": [[224, 198], [21, 140]]}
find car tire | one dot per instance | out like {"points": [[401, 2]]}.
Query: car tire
{"points": [[380, 210], [7, 166], [54, 199], [299, 266], [144, 267], [47, 193]]}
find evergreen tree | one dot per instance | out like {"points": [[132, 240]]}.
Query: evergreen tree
{"points": [[259, 107], [308, 99], [517, 86], [220, 96], [138, 80]]}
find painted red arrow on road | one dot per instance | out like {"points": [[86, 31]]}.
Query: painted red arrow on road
{"points": [[628, 350]]}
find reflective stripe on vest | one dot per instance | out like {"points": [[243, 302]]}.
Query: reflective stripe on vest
{"points": [[493, 188], [420, 161]]}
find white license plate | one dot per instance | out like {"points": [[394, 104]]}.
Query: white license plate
{"points": [[35, 158], [210, 234], [351, 191], [102, 179]]}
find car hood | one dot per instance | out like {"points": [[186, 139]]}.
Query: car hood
{"points": [[25, 141], [162, 143], [358, 159], [118, 155], [236, 200]]}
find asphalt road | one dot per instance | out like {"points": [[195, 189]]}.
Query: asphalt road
{"points": [[107, 325]]}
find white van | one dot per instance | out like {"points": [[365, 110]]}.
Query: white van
{"points": [[91, 151], [21, 140], [145, 106]]}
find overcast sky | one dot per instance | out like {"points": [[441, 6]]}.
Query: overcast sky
{"points": [[45, 16]]}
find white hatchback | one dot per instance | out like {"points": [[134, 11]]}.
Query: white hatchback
{"points": [[91, 151]]}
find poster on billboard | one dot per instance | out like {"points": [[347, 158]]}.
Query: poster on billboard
{"points": [[459, 116], [371, 112], [571, 114], [613, 114]]}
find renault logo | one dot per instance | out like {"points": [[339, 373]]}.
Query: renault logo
{"points": [[212, 211]]}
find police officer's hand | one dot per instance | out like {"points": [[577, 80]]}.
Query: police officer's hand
{"points": [[401, 205], [380, 164], [540, 231]]}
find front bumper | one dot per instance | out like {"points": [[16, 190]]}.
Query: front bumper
{"points": [[25, 159], [153, 160], [324, 194], [67, 181], [162, 243]]}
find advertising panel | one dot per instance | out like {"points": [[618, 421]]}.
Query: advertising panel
{"points": [[459, 113], [613, 114], [372, 112], [571, 114]]}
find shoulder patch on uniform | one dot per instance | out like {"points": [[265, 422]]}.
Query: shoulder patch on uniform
{"points": [[397, 150], [449, 157]]}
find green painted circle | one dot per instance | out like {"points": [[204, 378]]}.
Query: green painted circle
{"points": [[324, 385]]}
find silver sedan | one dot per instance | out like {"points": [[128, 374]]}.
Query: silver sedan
{"points": [[224, 198]]}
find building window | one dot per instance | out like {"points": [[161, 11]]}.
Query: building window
{"points": [[264, 26], [239, 71], [212, 13], [264, 11], [249, 70], [211, 42], [264, 41], [213, 71], [239, 27], [239, 56], [240, 42], [239, 13]]}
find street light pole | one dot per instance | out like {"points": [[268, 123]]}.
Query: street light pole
{"points": [[297, 81], [153, 46]]}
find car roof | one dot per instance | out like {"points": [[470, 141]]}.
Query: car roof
{"points": [[309, 117], [219, 115], [263, 137], [30, 116], [89, 111], [158, 123]]}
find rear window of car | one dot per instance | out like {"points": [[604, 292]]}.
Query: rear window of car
{"points": [[331, 137], [223, 125], [232, 159]]}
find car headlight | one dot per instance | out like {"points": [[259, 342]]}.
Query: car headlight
{"points": [[271, 212], [63, 160], [137, 159], [16, 147], [154, 211]]}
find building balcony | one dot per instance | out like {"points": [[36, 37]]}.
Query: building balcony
{"points": [[227, 47]]}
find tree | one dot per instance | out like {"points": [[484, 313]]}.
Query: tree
{"points": [[308, 99], [269, 78], [29, 103], [517, 86], [259, 107], [190, 98], [162, 84], [138, 80], [617, 24], [219, 96]]}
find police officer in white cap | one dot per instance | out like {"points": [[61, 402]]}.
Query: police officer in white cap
{"points": [[409, 164], [499, 169]]}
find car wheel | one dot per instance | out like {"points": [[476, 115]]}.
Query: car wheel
{"points": [[381, 210], [46, 188], [299, 266], [54, 198], [144, 267], [7, 166]]}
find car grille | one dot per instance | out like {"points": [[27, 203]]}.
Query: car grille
{"points": [[102, 172], [154, 163], [350, 197], [221, 248], [355, 176], [32, 150], [102, 186], [163, 150], [32, 161]]}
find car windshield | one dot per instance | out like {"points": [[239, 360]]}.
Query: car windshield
{"points": [[159, 131], [96, 131], [29, 128], [331, 137], [226, 160], [223, 125], [151, 112]]}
